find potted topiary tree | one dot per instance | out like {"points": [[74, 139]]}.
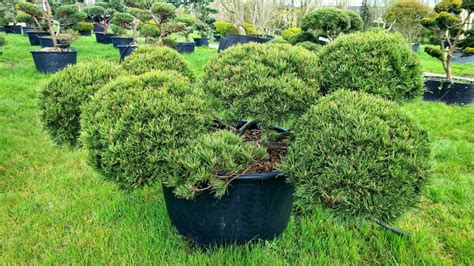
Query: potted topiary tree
{"points": [[84, 28], [205, 22], [449, 25], [359, 156], [28, 20], [230, 36], [186, 24], [36, 13], [56, 57], [8, 14], [100, 13], [376, 62]]}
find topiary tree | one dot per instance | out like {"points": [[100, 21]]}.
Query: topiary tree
{"points": [[65, 93], [147, 58], [133, 127], [131, 20], [187, 25], [375, 62], [290, 33], [150, 31], [266, 82], [8, 12], [405, 16], [359, 156], [449, 26], [224, 28], [328, 21], [357, 24], [101, 12], [32, 10]]}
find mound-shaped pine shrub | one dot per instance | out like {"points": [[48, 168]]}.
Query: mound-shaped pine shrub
{"points": [[313, 47], [358, 155], [63, 96], [148, 58], [266, 82], [374, 62], [133, 125]]}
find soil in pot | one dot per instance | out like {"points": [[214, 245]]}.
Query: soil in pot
{"points": [[256, 206], [457, 92], [49, 60], [104, 38], [33, 36], [201, 42], [116, 41]]}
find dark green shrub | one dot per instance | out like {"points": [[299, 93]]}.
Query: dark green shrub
{"points": [[84, 26], [267, 82], [313, 47], [62, 97], [466, 52], [149, 30], [290, 33], [303, 36], [207, 156], [133, 126], [224, 28], [328, 20], [147, 58], [375, 62], [358, 155], [357, 24]]}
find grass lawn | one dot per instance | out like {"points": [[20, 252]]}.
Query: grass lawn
{"points": [[55, 209], [431, 64]]}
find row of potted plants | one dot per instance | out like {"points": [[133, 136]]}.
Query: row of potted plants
{"points": [[228, 171]]}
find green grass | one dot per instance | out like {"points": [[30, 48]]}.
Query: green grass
{"points": [[55, 209], [431, 64]]}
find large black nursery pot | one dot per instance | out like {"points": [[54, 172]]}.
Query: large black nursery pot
{"points": [[185, 47], [85, 32], [53, 61], [104, 38], [34, 36], [116, 41], [126, 50], [458, 92], [233, 39], [256, 206], [217, 38], [13, 29], [201, 42], [27, 29], [48, 42], [98, 28]]}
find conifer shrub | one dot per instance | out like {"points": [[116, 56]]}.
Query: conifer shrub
{"points": [[290, 33], [359, 156], [134, 125], [374, 62], [270, 83], [313, 47], [65, 93], [148, 58]]}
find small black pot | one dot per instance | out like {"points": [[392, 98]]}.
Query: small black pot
{"points": [[449, 92], [185, 47], [126, 50], [85, 32], [48, 42], [202, 42], [256, 206], [98, 28], [233, 39], [13, 29], [33, 36], [53, 61], [116, 41], [27, 29], [415, 47], [104, 38]]}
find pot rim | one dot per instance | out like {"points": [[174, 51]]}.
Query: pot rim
{"points": [[260, 176], [118, 37], [103, 33], [125, 45], [69, 51]]}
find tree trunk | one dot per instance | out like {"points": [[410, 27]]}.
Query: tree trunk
{"points": [[49, 18]]}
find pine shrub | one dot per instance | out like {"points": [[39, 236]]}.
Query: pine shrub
{"points": [[290, 33], [270, 83], [134, 125], [358, 155], [313, 47], [374, 62], [148, 58], [62, 97]]}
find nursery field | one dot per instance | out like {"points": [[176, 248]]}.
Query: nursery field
{"points": [[55, 209]]}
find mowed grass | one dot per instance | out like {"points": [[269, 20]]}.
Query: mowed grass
{"points": [[431, 64], [55, 209]]}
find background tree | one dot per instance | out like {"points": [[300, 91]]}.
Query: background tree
{"points": [[405, 16], [102, 12]]}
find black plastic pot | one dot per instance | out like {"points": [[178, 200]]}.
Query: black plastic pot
{"points": [[116, 41], [85, 32], [126, 50], [256, 206], [98, 28], [34, 36], [104, 38], [415, 47], [202, 42], [27, 29], [217, 38], [13, 29], [461, 93], [48, 42], [232, 40], [185, 47], [53, 61]]}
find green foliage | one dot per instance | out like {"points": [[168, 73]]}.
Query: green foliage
{"points": [[26, 18], [210, 161], [30, 9], [149, 30], [313, 47], [357, 24], [434, 52], [133, 126], [267, 82], [164, 11], [224, 28], [65, 93], [469, 51], [290, 33], [374, 62], [2, 41], [303, 36], [468, 5], [449, 6], [147, 58], [69, 14], [188, 23], [123, 20], [406, 16], [328, 20], [84, 26], [359, 156]]}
